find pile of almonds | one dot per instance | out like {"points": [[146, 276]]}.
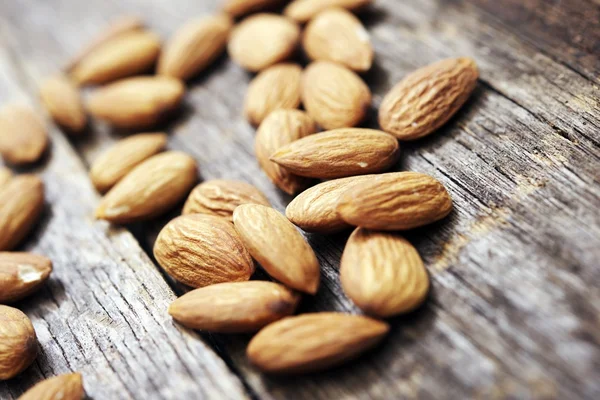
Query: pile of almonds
{"points": [[227, 225]]}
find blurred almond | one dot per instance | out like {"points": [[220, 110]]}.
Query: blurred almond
{"points": [[62, 101], [23, 137], [304, 10], [18, 342], [5, 176], [238, 8], [61, 387], [21, 274]]}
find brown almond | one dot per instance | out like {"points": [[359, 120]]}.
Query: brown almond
{"points": [[220, 197], [337, 35], [61, 387], [62, 101], [382, 273], [200, 250], [339, 153], [21, 203], [280, 128], [334, 96], [23, 137], [139, 102], [278, 246], [234, 307], [395, 201], [277, 87], [195, 46], [126, 55], [427, 98], [5, 176], [238, 8], [150, 189], [313, 342], [126, 154], [304, 10], [262, 40], [21, 274], [18, 342]]}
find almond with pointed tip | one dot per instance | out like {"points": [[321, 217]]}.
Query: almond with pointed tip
{"points": [[61, 387], [304, 10], [238, 8], [23, 137], [21, 274], [5, 176], [278, 246], [18, 342], [62, 101]]}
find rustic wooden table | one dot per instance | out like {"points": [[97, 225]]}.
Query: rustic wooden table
{"points": [[515, 306]]}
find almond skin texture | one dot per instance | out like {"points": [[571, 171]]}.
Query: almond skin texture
{"points": [[262, 40], [61, 387], [120, 159], [5, 176], [238, 8], [21, 274], [62, 101], [334, 96], [304, 10], [18, 342], [382, 273], [195, 46], [21, 204], [201, 250], [277, 87], [427, 98], [150, 189], [136, 102], [337, 35], [280, 128], [220, 197], [234, 307], [339, 153], [313, 342], [23, 137], [278, 246], [128, 54], [395, 201]]}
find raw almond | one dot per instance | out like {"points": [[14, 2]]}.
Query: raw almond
{"points": [[277, 87], [334, 96], [238, 8], [280, 128], [200, 250], [262, 40], [62, 101], [313, 342], [276, 244], [137, 102], [18, 342], [304, 10], [5, 176], [195, 46], [382, 273], [395, 201], [21, 274], [339, 153], [23, 137], [150, 189], [125, 55], [61, 387], [220, 197], [234, 307], [119, 160], [337, 35], [21, 203], [427, 98]]}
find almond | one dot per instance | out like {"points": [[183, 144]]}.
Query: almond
{"points": [[128, 54], [282, 127], [195, 46], [337, 35], [62, 101], [262, 40], [200, 250], [23, 137], [220, 197], [5, 176], [427, 98], [382, 273], [339, 153], [395, 201], [304, 10], [277, 87], [238, 8], [137, 102], [334, 96], [61, 387], [313, 342], [21, 274], [276, 244], [21, 203], [150, 189], [234, 307], [119, 160], [18, 343]]}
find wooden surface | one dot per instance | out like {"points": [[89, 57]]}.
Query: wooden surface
{"points": [[515, 308]]}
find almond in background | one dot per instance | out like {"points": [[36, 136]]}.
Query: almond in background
{"points": [[61, 387], [23, 137], [18, 342], [304, 10], [238, 8], [5, 176], [21, 274], [63, 102]]}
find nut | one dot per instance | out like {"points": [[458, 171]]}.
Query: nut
{"points": [[18, 343], [61, 387], [304, 10], [62, 101], [23, 137], [21, 274]]}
